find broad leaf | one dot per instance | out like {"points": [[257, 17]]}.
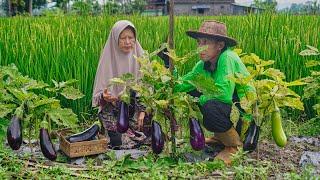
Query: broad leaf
{"points": [[5, 109], [312, 63], [298, 82], [266, 63], [20, 94], [234, 115], [63, 117], [309, 52], [117, 81], [72, 93], [33, 84], [290, 102], [274, 73], [38, 103]]}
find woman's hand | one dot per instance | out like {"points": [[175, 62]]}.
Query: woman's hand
{"points": [[108, 97], [140, 120]]}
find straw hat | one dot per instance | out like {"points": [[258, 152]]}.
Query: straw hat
{"points": [[213, 30]]}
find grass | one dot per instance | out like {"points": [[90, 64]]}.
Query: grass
{"points": [[150, 167]]}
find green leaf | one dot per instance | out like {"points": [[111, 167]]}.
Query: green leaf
{"points": [[311, 90], [312, 63], [274, 73], [5, 97], [315, 73], [63, 117], [56, 84], [117, 81], [124, 96], [238, 51], [247, 101], [290, 102], [165, 78], [316, 107], [250, 59], [5, 109], [204, 84], [284, 91], [234, 115], [33, 84], [20, 94], [298, 82], [51, 89], [241, 79], [313, 48], [38, 103], [309, 52], [4, 123], [266, 63], [68, 82], [162, 103], [71, 93]]}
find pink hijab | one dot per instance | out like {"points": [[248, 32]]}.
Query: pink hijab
{"points": [[114, 63]]}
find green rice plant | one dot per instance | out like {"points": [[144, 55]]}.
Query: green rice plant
{"points": [[69, 47]]}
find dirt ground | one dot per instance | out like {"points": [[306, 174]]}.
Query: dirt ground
{"points": [[286, 158]]}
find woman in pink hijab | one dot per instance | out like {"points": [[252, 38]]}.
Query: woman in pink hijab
{"points": [[117, 59]]}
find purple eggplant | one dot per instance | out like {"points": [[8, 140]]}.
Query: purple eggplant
{"points": [[46, 145], [157, 138], [197, 139], [123, 118], [252, 136], [14, 133], [87, 135]]}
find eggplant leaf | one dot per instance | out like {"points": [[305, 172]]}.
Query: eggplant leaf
{"points": [[72, 93], [38, 103], [290, 102], [274, 73], [5, 109], [33, 84], [63, 117], [234, 115], [312, 63]]}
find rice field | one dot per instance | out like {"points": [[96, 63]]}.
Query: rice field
{"points": [[62, 48]]}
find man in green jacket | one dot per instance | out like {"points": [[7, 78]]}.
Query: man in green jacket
{"points": [[218, 62]]}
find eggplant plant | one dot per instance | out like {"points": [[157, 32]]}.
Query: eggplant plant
{"points": [[155, 91], [272, 93], [312, 89], [34, 102]]}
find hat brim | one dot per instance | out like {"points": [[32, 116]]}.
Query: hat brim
{"points": [[230, 42]]}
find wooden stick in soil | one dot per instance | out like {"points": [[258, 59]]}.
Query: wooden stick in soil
{"points": [[171, 67], [255, 117]]}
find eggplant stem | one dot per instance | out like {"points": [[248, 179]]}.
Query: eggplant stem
{"points": [[29, 138]]}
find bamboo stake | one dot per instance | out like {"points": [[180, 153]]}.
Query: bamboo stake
{"points": [[171, 67]]}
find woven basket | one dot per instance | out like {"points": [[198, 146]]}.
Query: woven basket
{"points": [[84, 148]]}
